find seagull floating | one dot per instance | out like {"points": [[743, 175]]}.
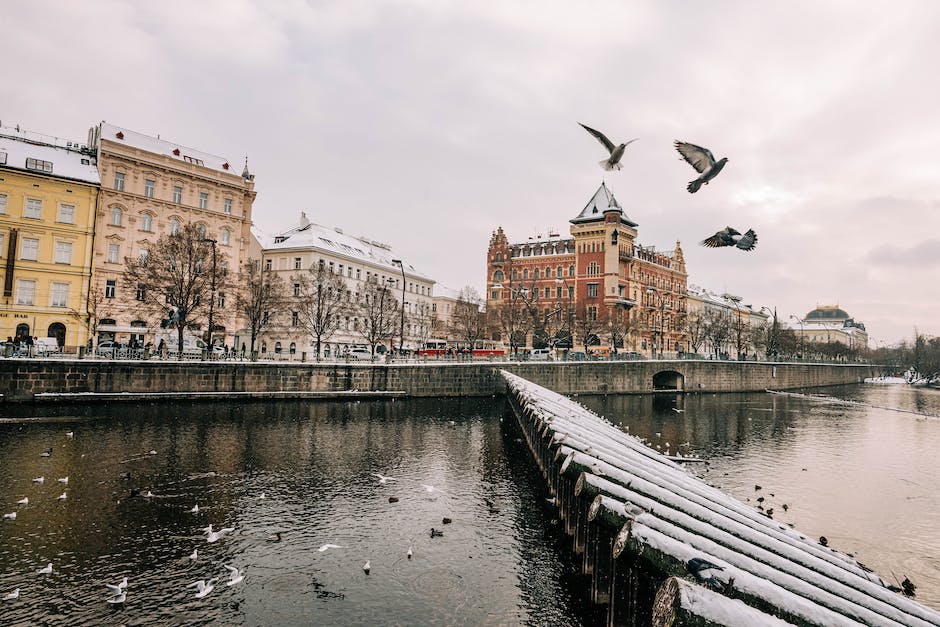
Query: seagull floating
{"points": [[46, 453], [45, 571], [23, 501], [64, 480], [10, 516], [203, 587], [118, 589], [703, 161], [428, 488], [616, 152], [234, 575], [9, 596], [149, 494], [215, 536], [39, 480], [728, 236], [63, 496], [330, 546], [383, 478], [195, 509], [194, 555], [262, 497], [410, 552], [367, 567], [69, 434], [152, 452], [118, 598], [275, 537]]}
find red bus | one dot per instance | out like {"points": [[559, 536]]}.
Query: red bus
{"points": [[444, 348]]}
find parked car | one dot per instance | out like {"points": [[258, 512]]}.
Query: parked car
{"points": [[359, 354], [540, 354]]}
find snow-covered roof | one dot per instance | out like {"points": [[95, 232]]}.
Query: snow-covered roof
{"points": [[445, 292], [601, 201], [307, 235], [726, 300], [173, 150], [61, 158]]}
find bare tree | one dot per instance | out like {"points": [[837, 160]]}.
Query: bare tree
{"points": [[89, 317], [260, 298], [717, 329], [175, 276], [323, 303], [380, 314], [468, 323], [739, 330], [695, 327], [587, 326]]}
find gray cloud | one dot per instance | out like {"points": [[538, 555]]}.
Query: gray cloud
{"points": [[429, 123]]}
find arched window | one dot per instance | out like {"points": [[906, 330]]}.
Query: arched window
{"points": [[559, 272], [57, 330], [293, 348], [201, 229], [515, 275], [277, 347], [264, 347], [146, 222], [535, 273], [571, 270], [225, 237], [175, 228], [117, 216], [498, 276], [525, 273]]}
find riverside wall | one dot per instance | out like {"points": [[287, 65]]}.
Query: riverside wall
{"points": [[25, 380]]}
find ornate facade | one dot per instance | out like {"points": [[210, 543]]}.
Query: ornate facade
{"points": [[598, 285]]}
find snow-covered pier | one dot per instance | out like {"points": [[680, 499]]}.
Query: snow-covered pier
{"points": [[663, 547]]}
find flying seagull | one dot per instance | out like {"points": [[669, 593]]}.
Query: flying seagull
{"points": [[383, 478], [234, 575], [215, 536], [703, 161], [203, 587], [115, 590], [731, 237], [616, 152]]}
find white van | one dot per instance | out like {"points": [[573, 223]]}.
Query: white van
{"points": [[47, 346], [540, 354], [359, 354], [192, 345]]}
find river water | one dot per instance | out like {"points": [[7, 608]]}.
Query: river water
{"points": [[864, 477]]}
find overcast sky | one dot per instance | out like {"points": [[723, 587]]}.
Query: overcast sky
{"points": [[427, 124]]}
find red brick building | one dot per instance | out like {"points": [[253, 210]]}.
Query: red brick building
{"points": [[596, 288]]}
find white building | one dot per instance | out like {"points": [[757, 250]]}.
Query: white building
{"points": [[357, 259]]}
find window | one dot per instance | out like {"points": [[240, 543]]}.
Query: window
{"points": [[593, 269], [296, 289], [144, 255], [114, 250], [33, 208], [294, 318], [203, 200], [178, 194], [494, 294], [59, 295], [592, 290], [192, 160], [267, 264], [297, 263], [221, 300], [146, 222], [63, 252], [66, 214], [119, 181], [548, 292], [3, 158], [535, 273], [29, 249], [117, 216], [1, 244], [571, 270], [201, 229], [174, 226], [558, 272], [558, 292], [265, 317], [39, 164], [225, 237], [228, 206], [110, 288], [25, 292], [149, 185], [3, 203], [592, 312], [141, 292]]}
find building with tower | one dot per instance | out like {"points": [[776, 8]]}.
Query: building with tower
{"points": [[597, 288], [830, 323]]}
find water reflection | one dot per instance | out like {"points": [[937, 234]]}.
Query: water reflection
{"points": [[500, 561], [864, 477]]}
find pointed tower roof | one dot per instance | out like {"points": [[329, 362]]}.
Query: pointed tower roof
{"points": [[602, 200]]}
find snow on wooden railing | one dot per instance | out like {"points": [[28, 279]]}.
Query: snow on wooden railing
{"points": [[639, 519]]}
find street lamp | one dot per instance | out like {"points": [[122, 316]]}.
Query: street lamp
{"points": [[401, 337], [207, 240], [662, 317], [800, 320], [773, 330]]}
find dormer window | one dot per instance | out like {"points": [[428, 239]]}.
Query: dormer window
{"points": [[39, 165], [189, 159]]}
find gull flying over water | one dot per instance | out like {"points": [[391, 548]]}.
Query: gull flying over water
{"points": [[703, 161], [234, 575], [215, 536], [117, 589], [383, 478], [203, 587], [616, 152], [728, 236]]}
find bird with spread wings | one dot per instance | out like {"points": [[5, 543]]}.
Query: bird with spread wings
{"points": [[616, 151], [703, 161]]}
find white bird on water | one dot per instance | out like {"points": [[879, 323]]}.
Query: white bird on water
{"points": [[69, 434], [194, 555], [410, 552], [149, 494], [45, 571], [195, 509], [326, 547], [234, 575], [64, 480], [118, 598], [9, 596], [215, 536], [117, 589], [63, 496], [262, 497], [428, 488], [203, 587], [10, 516], [39, 480], [383, 478], [23, 501], [367, 567]]}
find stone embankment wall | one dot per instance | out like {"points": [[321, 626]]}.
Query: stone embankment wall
{"points": [[60, 380]]}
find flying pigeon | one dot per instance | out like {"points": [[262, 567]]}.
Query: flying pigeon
{"points": [[731, 237], [616, 152], [703, 161]]}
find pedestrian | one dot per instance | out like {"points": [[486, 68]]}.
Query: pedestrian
{"points": [[29, 345]]}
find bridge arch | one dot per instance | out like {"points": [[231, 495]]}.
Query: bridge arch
{"points": [[668, 380]]}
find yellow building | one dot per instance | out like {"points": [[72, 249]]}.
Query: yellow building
{"points": [[48, 198]]}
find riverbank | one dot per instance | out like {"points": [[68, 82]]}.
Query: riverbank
{"points": [[33, 380]]}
